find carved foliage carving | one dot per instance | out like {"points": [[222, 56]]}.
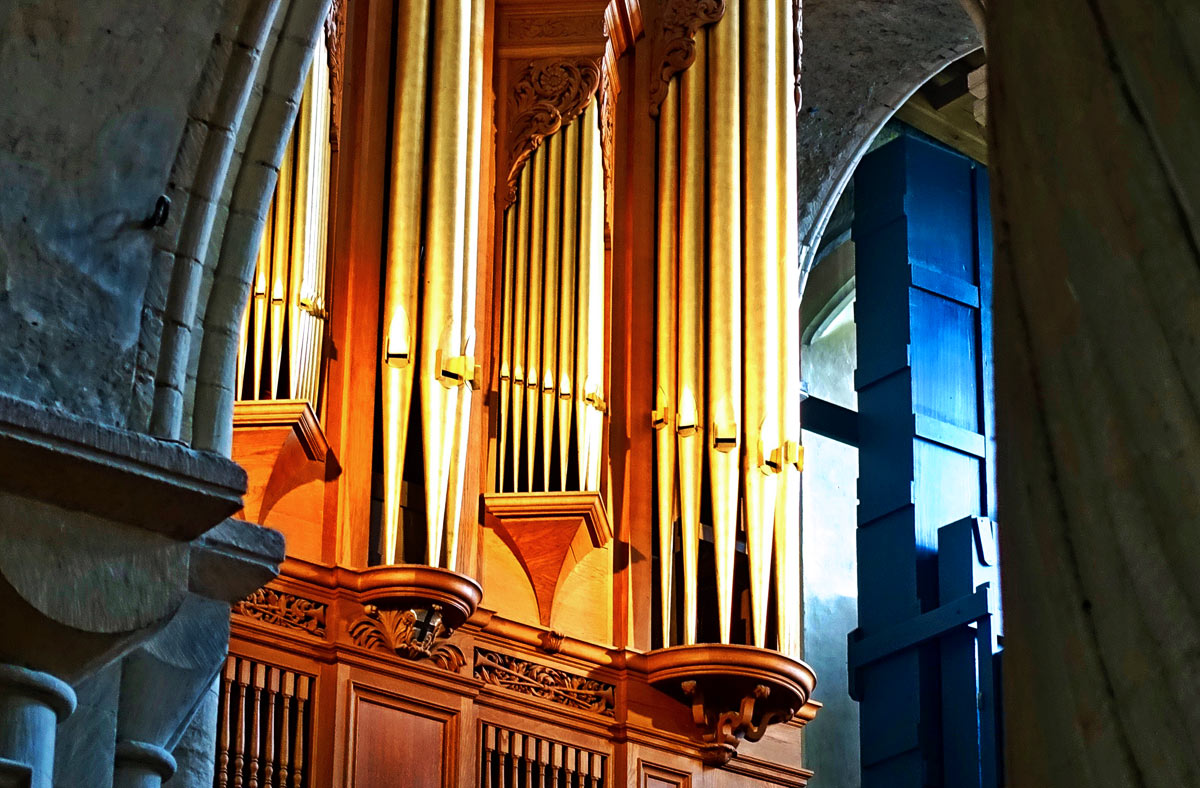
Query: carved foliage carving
{"points": [[284, 610], [335, 46], [549, 93], [541, 681], [402, 633], [675, 48]]}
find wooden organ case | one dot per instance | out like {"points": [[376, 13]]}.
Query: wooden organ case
{"points": [[520, 384]]}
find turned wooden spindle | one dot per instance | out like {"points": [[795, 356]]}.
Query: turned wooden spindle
{"points": [[298, 762], [260, 681], [239, 760], [288, 690], [518, 747], [269, 745], [530, 759], [489, 755], [227, 678]]}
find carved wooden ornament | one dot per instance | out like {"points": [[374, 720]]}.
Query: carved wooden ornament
{"points": [[675, 49], [549, 93], [335, 46]]}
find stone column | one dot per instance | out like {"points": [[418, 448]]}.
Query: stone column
{"points": [[32, 703], [1095, 116]]}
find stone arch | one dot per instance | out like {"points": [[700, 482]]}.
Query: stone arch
{"points": [[225, 170], [862, 60]]}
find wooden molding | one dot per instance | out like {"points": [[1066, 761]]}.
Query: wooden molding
{"points": [[675, 41], [296, 413], [548, 533], [549, 93]]}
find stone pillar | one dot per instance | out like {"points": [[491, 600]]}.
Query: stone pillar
{"points": [[195, 752], [169, 678], [1095, 116], [32, 704]]}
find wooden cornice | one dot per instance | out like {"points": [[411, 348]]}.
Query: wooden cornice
{"points": [[294, 413]]}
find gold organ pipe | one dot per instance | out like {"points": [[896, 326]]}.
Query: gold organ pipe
{"points": [[445, 231], [761, 326], [789, 592], [584, 319], [725, 304], [554, 222], [403, 260], [262, 293], [533, 353], [520, 288], [470, 267], [595, 303], [304, 218], [568, 265], [278, 282], [665, 350], [506, 334], [691, 423]]}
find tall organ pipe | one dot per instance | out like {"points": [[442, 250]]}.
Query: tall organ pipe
{"points": [[596, 345], [691, 427], [550, 300], [666, 298], [584, 319], [760, 314], [790, 624], [568, 268], [533, 353], [469, 267], [403, 260], [445, 231], [725, 304]]}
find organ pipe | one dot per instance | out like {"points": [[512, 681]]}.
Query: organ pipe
{"points": [[553, 314], [403, 260], [430, 284], [727, 316], [462, 421], [725, 305], [790, 624], [286, 314], [666, 299], [692, 428], [445, 237]]}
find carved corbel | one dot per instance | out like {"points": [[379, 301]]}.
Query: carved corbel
{"points": [[726, 728], [549, 93], [335, 47], [675, 45], [409, 634]]}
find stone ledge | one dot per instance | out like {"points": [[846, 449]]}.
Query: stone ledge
{"points": [[129, 477]]}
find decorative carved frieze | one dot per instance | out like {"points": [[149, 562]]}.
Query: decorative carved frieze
{"points": [[284, 610], [406, 634], [675, 47], [609, 87], [539, 27], [544, 682], [335, 47], [549, 93]]}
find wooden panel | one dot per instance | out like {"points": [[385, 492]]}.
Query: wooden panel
{"points": [[394, 743], [651, 776]]}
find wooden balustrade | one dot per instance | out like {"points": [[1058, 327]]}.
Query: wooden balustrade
{"points": [[261, 732], [509, 759]]}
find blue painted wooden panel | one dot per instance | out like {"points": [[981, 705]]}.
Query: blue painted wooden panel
{"points": [[926, 460]]}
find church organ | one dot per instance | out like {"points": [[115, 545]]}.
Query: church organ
{"points": [[528, 413]]}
